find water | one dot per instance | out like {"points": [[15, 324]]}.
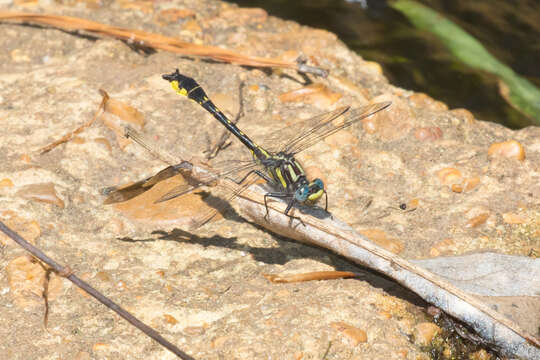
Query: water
{"points": [[417, 60]]}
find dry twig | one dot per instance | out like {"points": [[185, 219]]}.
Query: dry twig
{"points": [[67, 272]]}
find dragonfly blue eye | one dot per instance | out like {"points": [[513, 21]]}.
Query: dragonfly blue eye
{"points": [[318, 183], [302, 193]]}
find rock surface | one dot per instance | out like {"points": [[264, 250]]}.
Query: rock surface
{"points": [[205, 291]]}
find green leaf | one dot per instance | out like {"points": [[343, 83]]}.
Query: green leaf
{"points": [[518, 91]]}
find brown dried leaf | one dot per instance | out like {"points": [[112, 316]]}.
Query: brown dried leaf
{"points": [[124, 111], [43, 192], [180, 210]]}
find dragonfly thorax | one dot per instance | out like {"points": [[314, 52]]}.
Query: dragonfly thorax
{"points": [[289, 176]]}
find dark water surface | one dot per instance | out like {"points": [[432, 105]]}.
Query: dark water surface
{"points": [[417, 60]]}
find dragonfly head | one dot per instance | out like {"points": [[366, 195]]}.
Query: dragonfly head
{"points": [[180, 83], [310, 191]]}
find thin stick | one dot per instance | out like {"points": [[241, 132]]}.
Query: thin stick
{"points": [[71, 134], [67, 272]]}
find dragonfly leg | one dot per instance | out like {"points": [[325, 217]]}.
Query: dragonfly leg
{"points": [[244, 178], [289, 205]]}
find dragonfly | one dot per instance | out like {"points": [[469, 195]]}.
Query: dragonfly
{"points": [[276, 165]]}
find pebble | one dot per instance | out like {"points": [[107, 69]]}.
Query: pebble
{"points": [[434, 311], [425, 332], [511, 218], [101, 346], [464, 114], [401, 354], [449, 176], [431, 133], [421, 100], [5, 182], [477, 220], [385, 314], [169, 319], [510, 149], [29, 230], [354, 335], [373, 67], [444, 247], [121, 285]]}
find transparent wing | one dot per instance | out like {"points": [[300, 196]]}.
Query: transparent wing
{"points": [[229, 195], [197, 176], [236, 173], [304, 134], [278, 140], [331, 126]]}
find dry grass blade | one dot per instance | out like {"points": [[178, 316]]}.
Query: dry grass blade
{"points": [[310, 276], [152, 40]]}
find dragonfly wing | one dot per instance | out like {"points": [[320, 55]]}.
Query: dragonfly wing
{"points": [[329, 127], [206, 216], [243, 168], [279, 140]]}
